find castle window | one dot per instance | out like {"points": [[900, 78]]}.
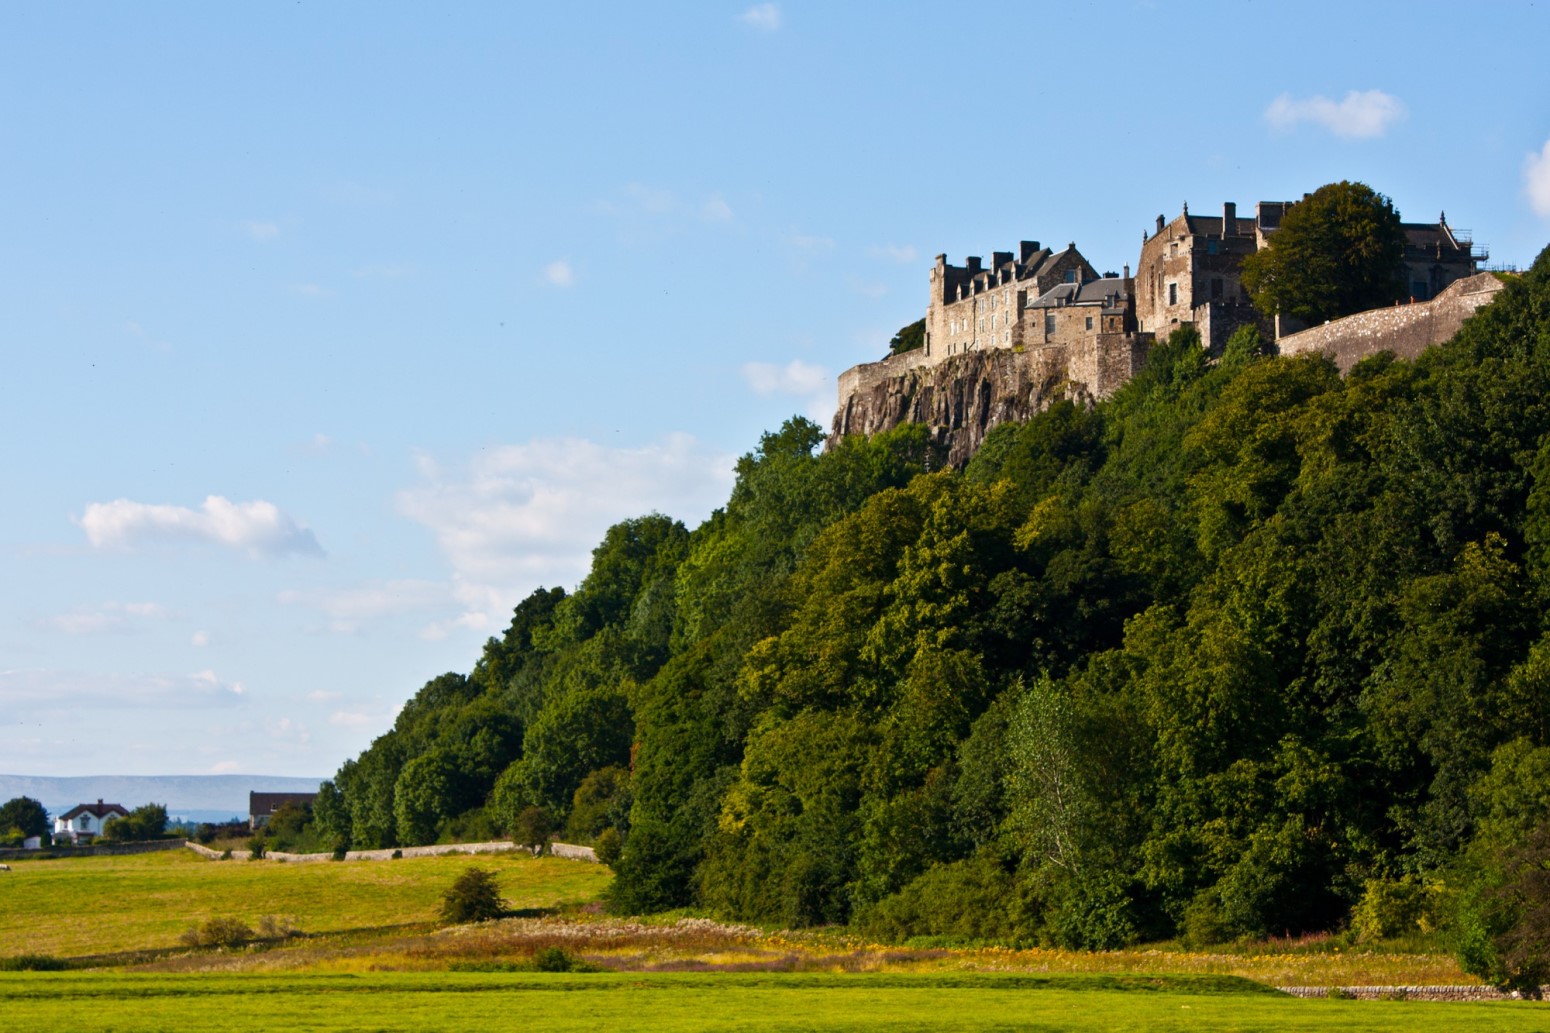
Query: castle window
{"points": [[1089, 322], [1070, 275], [1173, 294], [1049, 324], [1216, 287], [1210, 247]]}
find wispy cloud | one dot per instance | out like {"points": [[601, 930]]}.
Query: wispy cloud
{"points": [[349, 608], [645, 202], [901, 253], [258, 528], [559, 273], [36, 690], [813, 384], [716, 209], [1363, 114], [1536, 180], [764, 17], [521, 516], [810, 241], [107, 618], [262, 230], [312, 290]]}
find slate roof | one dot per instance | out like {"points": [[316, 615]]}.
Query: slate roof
{"points": [[96, 810], [268, 803], [1093, 292]]}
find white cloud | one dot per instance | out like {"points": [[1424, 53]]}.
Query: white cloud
{"points": [[312, 290], [258, 527], [901, 253], [199, 639], [351, 719], [1536, 180], [716, 209], [109, 617], [349, 608], [810, 242], [323, 696], [764, 17], [559, 273], [262, 229], [814, 384], [1361, 115], [39, 690], [794, 378], [521, 516]]}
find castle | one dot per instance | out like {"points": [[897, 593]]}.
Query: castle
{"points": [[1039, 324]]}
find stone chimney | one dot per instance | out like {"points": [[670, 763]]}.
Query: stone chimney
{"points": [[972, 263], [1160, 224], [1229, 219], [1026, 249]]}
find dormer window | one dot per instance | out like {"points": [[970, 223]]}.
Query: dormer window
{"points": [[85, 822], [1070, 275]]}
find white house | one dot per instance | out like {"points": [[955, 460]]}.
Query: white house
{"points": [[85, 820]]}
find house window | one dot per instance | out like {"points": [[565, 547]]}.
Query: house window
{"points": [[1210, 247], [1089, 322], [1049, 324], [1070, 275], [85, 822], [1173, 294]]}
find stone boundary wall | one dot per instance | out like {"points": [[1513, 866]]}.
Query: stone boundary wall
{"points": [[570, 851], [1404, 993], [869, 374], [105, 850], [1405, 330]]}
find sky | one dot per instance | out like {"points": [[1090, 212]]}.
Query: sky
{"points": [[332, 330]]}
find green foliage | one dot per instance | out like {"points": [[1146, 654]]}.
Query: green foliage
{"points": [[909, 338], [1339, 250], [532, 828], [33, 963], [146, 822], [608, 846], [1391, 908], [222, 931], [965, 901], [472, 897], [23, 817], [552, 959]]}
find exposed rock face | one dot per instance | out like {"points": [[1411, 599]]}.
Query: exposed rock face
{"points": [[960, 398]]}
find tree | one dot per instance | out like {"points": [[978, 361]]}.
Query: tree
{"points": [[1339, 250], [142, 823], [908, 338], [21, 818], [472, 897], [532, 828]]}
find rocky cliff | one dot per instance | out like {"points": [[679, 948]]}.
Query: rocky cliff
{"points": [[959, 398]]}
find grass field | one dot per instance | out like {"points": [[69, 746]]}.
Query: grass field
{"points": [[372, 957], [101, 905], [940, 1004]]}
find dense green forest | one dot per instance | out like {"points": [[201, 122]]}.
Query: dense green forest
{"points": [[1249, 648]]}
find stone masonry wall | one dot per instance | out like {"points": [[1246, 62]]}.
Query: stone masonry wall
{"points": [[1405, 330]]}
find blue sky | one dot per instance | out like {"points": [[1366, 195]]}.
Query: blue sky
{"points": [[331, 330]]}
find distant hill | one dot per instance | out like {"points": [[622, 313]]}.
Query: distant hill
{"points": [[196, 797]]}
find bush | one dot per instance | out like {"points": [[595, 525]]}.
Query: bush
{"points": [[340, 853], [608, 846], [218, 932], [1390, 908], [963, 901], [277, 927], [553, 959], [256, 848], [33, 963], [472, 897], [532, 829]]}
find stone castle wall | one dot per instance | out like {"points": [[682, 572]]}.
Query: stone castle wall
{"points": [[1405, 330]]}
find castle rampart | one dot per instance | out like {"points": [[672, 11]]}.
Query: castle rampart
{"points": [[1405, 330]]}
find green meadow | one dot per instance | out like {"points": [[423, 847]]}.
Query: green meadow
{"points": [[939, 1003], [370, 955]]}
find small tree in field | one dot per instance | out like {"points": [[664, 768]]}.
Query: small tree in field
{"points": [[532, 829], [473, 897]]}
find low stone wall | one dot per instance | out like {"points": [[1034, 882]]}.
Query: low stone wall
{"points": [[1405, 330], [570, 851], [102, 850], [1403, 993]]}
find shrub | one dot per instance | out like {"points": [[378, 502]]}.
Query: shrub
{"points": [[256, 848], [340, 853], [33, 963], [532, 829], [226, 855], [398, 855], [1390, 908], [277, 927], [218, 932], [553, 959], [472, 897], [608, 846]]}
